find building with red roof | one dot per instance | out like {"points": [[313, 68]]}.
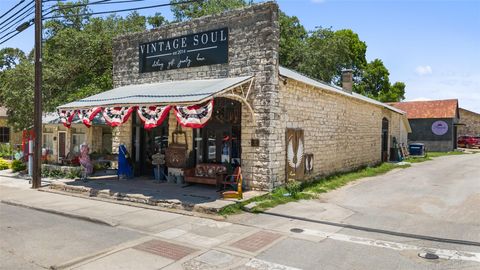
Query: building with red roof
{"points": [[433, 122]]}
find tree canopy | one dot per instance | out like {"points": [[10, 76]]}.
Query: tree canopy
{"points": [[184, 12], [77, 61], [323, 53], [77, 56]]}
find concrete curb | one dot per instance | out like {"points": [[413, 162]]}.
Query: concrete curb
{"points": [[61, 213], [138, 205]]}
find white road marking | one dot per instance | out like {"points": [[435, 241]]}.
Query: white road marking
{"points": [[264, 265], [441, 253]]}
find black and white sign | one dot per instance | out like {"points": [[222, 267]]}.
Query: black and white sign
{"points": [[200, 49]]}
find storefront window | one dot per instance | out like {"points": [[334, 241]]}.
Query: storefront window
{"points": [[219, 140], [48, 142], [4, 134], [77, 140]]}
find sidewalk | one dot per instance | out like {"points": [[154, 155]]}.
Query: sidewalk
{"points": [[172, 240]]}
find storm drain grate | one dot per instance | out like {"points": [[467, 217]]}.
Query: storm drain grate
{"points": [[256, 241], [165, 249]]}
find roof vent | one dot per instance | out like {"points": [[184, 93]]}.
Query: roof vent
{"points": [[347, 80]]}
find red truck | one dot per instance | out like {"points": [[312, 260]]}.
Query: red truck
{"points": [[468, 141]]}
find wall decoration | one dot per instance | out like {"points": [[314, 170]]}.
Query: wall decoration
{"points": [[308, 163], [195, 116], [87, 115], [153, 116], [439, 128], [115, 116], [295, 168], [66, 117]]}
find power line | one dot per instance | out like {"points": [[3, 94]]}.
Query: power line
{"points": [[67, 6], [16, 14], [123, 10], [8, 11], [1, 42], [101, 2], [29, 11]]}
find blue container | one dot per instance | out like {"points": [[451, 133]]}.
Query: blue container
{"points": [[416, 149]]}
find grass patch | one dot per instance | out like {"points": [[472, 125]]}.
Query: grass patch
{"points": [[431, 155], [308, 190]]}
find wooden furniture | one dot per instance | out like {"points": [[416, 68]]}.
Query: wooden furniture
{"points": [[205, 173], [235, 179], [70, 159]]}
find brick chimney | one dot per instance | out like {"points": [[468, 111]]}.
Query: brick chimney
{"points": [[347, 80]]}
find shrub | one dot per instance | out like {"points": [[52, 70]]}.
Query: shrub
{"points": [[4, 164], [18, 166], [5, 150]]}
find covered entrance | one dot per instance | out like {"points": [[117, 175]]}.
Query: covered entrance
{"points": [[206, 112]]}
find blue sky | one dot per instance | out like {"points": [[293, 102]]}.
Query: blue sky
{"points": [[432, 46]]}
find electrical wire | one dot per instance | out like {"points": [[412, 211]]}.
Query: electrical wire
{"points": [[8, 11], [1, 42], [72, 6], [16, 14], [102, 2], [30, 12], [122, 10]]}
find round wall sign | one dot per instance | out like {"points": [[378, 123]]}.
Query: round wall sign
{"points": [[439, 128]]}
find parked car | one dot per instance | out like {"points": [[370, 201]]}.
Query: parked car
{"points": [[468, 141]]}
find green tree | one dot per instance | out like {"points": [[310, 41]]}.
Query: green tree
{"points": [[328, 52], [157, 20], [16, 93], [374, 80], [292, 41], [10, 57], [77, 62], [184, 12], [395, 93]]}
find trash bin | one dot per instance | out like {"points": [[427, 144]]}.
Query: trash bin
{"points": [[416, 149]]}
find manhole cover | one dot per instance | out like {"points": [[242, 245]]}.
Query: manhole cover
{"points": [[296, 230], [428, 255]]}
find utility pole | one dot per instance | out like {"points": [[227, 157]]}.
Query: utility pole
{"points": [[37, 118]]}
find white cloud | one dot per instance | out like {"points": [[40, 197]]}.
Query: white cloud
{"points": [[423, 70]]}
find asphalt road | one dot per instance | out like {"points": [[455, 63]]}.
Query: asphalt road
{"points": [[32, 239], [436, 199], [439, 198]]}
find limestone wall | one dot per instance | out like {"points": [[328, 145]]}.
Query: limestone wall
{"points": [[471, 121], [253, 51], [343, 133]]}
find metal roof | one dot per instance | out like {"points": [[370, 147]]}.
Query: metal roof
{"points": [[54, 119], [172, 92], [302, 78]]}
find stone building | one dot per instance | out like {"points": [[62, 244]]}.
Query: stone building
{"points": [[470, 123], [7, 134], [274, 122], [59, 141], [433, 123]]}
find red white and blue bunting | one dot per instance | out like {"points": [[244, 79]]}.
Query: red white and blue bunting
{"points": [[66, 117], [195, 116], [87, 115], [153, 116], [115, 116]]}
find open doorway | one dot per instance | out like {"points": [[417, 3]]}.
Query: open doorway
{"points": [[384, 157]]}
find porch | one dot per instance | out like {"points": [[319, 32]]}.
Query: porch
{"points": [[149, 193]]}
